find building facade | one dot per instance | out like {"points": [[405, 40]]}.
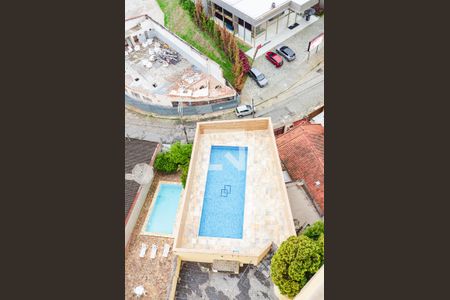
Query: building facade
{"points": [[257, 21]]}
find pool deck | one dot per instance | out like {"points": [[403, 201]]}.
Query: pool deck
{"points": [[154, 274], [267, 214]]}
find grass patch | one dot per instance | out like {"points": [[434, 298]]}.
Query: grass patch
{"points": [[243, 46], [177, 20]]}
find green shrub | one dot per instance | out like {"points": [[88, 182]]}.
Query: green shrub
{"points": [[164, 163], [297, 260], [189, 6], [314, 231], [180, 154], [184, 173], [177, 158]]}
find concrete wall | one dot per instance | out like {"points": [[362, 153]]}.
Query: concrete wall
{"points": [[208, 256], [190, 53], [314, 289], [136, 209]]}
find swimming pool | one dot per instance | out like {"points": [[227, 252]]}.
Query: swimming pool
{"points": [[163, 214], [224, 198]]}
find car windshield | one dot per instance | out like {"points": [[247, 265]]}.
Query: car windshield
{"points": [[288, 51], [260, 77]]}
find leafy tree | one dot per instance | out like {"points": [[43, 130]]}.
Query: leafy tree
{"points": [[164, 163], [180, 154], [314, 231], [184, 173], [297, 260], [176, 159]]}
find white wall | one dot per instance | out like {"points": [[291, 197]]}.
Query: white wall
{"points": [[190, 53], [314, 288]]}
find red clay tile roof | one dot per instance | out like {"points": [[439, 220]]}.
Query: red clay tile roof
{"points": [[302, 152]]}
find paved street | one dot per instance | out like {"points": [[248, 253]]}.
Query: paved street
{"points": [[155, 129]]}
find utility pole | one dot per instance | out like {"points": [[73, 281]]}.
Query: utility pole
{"points": [[253, 108], [254, 54], [180, 112]]}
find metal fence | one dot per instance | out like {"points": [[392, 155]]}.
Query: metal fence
{"points": [[187, 110]]}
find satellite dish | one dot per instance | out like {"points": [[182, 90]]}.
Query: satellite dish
{"points": [[142, 173]]}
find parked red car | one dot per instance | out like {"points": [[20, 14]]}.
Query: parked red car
{"points": [[274, 58]]}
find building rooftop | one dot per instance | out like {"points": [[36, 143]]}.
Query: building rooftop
{"points": [[267, 214], [198, 281], [172, 81], [161, 73], [136, 151], [302, 153], [256, 9]]}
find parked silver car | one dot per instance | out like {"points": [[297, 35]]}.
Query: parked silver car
{"points": [[259, 77], [243, 110], [286, 52]]}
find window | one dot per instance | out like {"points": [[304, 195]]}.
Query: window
{"points": [[248, 26], [227, 13], [261, 28], [218, 16], [241, 22], [229, 25]]}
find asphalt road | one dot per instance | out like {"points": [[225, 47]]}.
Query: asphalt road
{"points": [[292, 104]]}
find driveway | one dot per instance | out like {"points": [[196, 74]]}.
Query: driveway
{"points": [[290, 73]]}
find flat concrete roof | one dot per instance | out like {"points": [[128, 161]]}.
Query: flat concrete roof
{"points": [[267, 214], [147, 72], [255, 9]]}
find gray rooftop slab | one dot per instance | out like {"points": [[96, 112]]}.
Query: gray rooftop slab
{"points": [[198, 281]]}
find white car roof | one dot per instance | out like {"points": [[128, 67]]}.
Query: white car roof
{"points": [[242, 107]]}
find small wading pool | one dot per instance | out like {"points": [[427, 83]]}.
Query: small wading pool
{"points": [[163, 211], [224, 199]]}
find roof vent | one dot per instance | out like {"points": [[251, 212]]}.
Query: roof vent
{"points": [[317, 183], [273, 4]]}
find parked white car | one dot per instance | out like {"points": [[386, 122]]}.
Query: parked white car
{"points": [[243, 110]]}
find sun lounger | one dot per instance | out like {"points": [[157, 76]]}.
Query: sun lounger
{"points": [[166, 250], [143, 250], [154, 249]]}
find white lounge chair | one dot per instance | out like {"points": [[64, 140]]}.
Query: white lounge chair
{"points": [[153, 253], [143, 250], [166, 250]]}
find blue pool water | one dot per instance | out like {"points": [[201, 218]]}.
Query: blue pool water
{"points": [[223, 203], [164, 212]]}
